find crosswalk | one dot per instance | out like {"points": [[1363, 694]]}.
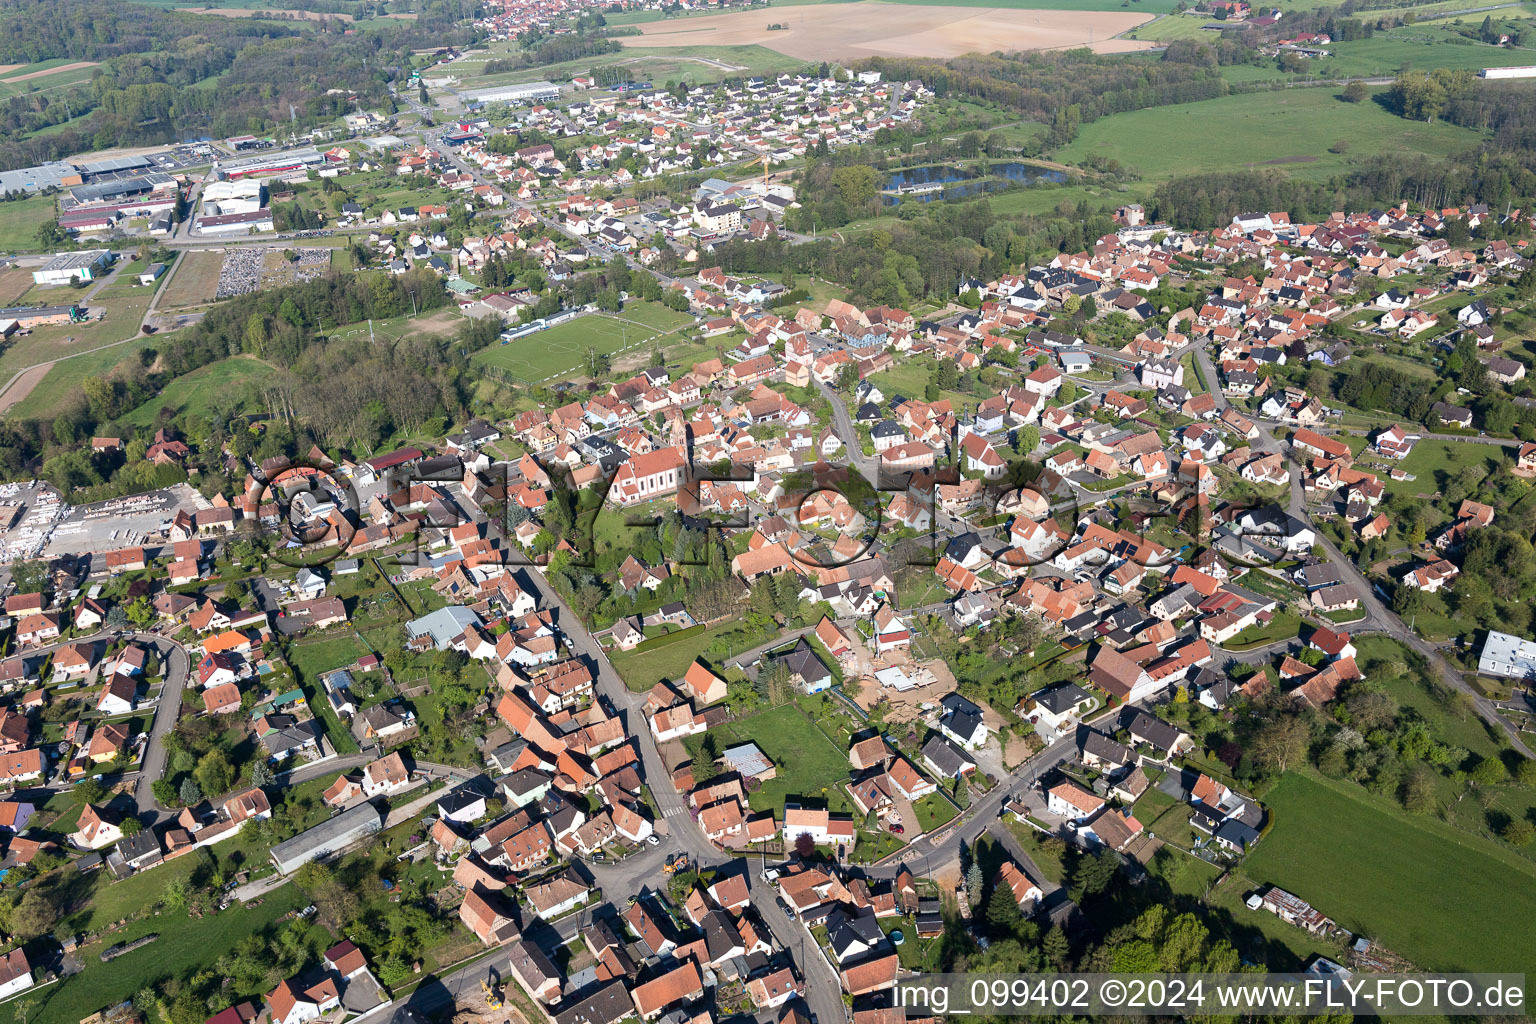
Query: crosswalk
{"points": [[674, 812]]}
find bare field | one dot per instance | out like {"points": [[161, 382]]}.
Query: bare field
{"points": [[14, 284], [196, 280], [50, 71], [851, 31], [29, 379]]}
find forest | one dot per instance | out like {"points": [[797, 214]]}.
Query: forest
{"points": [[151, 60]]}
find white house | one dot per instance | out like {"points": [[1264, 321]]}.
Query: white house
{"points": [[1069, 800], [15, 973]]}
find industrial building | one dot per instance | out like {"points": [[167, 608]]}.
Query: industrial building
{"points": [[221, 198], [235, 223], [69, 266], [57, 174], [270, 163], [327, 838], [123, 192], [28, 317], [527, 92], [1524, 71]]}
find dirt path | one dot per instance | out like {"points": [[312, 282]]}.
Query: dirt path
{"points": [[21, 386]]}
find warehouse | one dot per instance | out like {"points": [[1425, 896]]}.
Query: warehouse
{"points": [[1524, 71], [327, 838], [235, 223], [44, 176], [27, 317], [225, 197], [527, 92], [118, 192], [270, 163], [69, 266]]}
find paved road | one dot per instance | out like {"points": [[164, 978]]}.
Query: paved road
{"points": [[823, 990], [178, 666], [1378, 617]]}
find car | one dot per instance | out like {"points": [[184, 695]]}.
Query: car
{"points": [[633, 900], [898, 829], [652, 840]]}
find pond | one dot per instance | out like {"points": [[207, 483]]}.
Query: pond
{"points": [[944, 181]]}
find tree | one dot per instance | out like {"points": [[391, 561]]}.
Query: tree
{"points": [[29, 577], [214, 772], [1055, 946], [1490, 771], [35, 915], [974, 883], [805, 845], [1280, 743], [261, 773], [1519, 832], [164, 791], [1002, 911], [132, 826], [1525, 774], [1356, 91], [190, 794], [90, 791]]}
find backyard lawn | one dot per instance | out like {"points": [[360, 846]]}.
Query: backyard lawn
{"points": [[1443, 899], [809, 766], [185, 944]]}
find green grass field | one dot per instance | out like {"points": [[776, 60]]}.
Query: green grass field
{"points": [[1290, 131], [642, 63], [20, 219], [185, 945], [64, 377], [1174, 26], [1139, 6], [561, 350], [1422, 47], [1434, 463], [228, 380], [1444, 900], [643, 669]]}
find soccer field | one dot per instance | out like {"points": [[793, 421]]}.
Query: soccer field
{"points": [[561, 350]]}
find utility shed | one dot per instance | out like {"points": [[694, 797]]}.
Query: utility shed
{"points": [[327, 838]]}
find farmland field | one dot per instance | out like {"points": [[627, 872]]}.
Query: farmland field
{"points": [[1444, 900], [850, 31], [13, 285], [561, 350], [44, 76], [1291, 131]]}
